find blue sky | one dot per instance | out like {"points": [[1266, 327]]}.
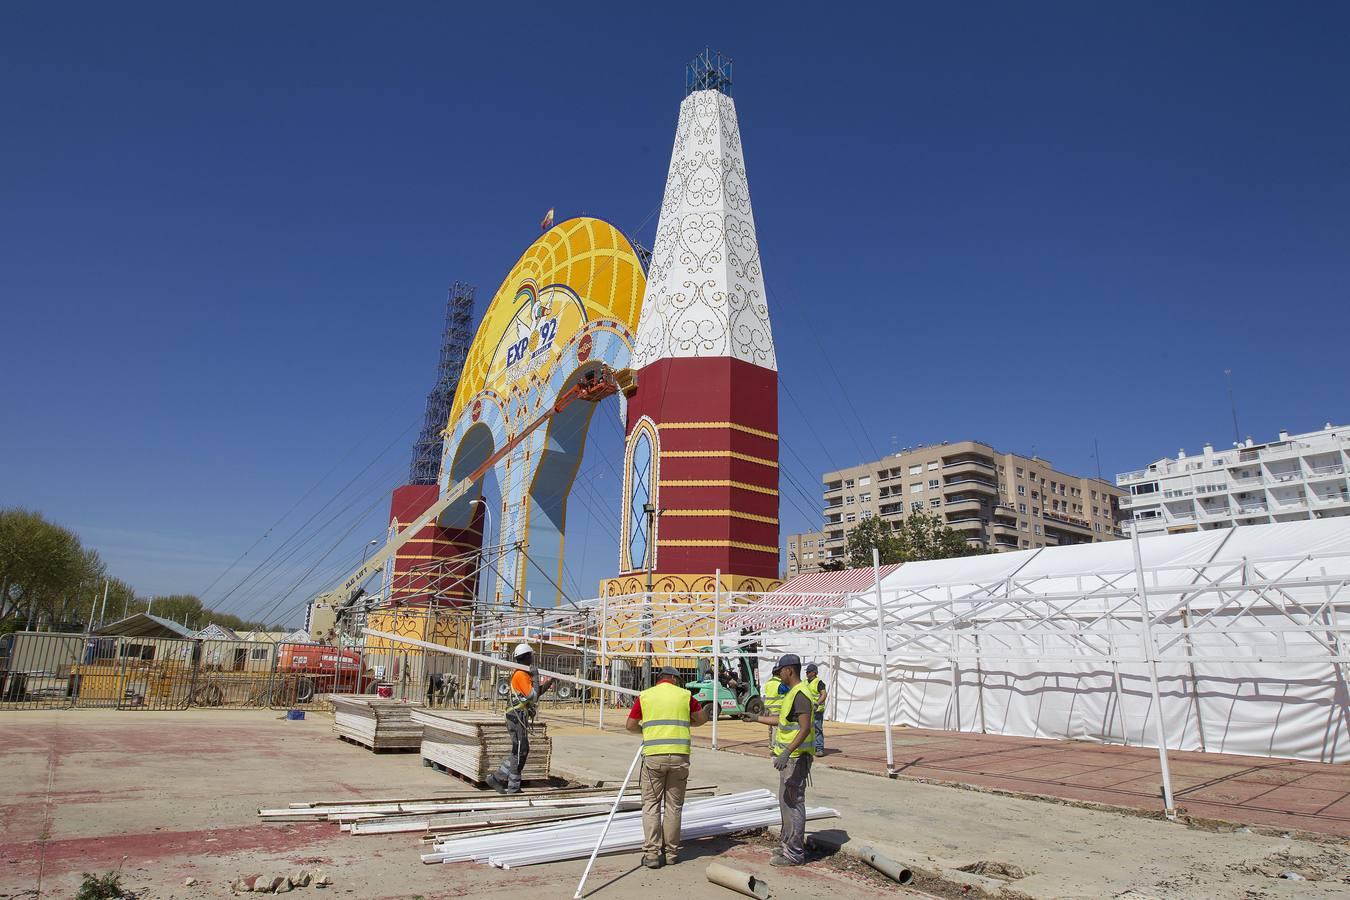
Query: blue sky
{"points": [[226, 236]]}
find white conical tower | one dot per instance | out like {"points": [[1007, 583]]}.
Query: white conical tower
{"points": [[705, 288], [701, 478]]}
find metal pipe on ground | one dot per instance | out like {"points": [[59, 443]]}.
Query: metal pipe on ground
{"points": [[897, 872], [885, 865], [738, 881]]}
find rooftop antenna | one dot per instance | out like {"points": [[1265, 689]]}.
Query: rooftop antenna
{"points": [[1232, 405], [1097, 455]]}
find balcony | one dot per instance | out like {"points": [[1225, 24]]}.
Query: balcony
{"points": [[975, 463], [1215, 512], [1006, 525], [965, 522], [1251, 509], [1009, 543], [1065, 519], [973, 484], [961, 501], [1331, 499], [1245, 479], [1285, 477], [831, 487], [1322, 473]]}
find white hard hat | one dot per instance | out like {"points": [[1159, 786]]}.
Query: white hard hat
{"points": [[521, 650]]}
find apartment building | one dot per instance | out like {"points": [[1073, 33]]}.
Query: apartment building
{"points": [[805, 552], [1293, 478], [1000, 501]]}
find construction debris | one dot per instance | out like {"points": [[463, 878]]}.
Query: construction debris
{"points": [[738, 881], [375, 723], [575, 839], [472, 744]]}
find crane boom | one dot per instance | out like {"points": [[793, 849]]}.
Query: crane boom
{"points": [[595, 386]]}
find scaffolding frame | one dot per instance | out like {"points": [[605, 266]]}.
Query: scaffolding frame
{"points": [[455, 341]]}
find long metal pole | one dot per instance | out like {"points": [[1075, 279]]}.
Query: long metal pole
{"points": [[502, 663], [717, 650], [104, 608], [1151, 654], [604, 832], [604, 656], [885, 665]]}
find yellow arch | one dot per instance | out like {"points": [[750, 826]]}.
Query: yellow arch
{"points": [[590, 257]]}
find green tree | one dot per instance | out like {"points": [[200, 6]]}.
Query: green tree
{"points": [[919, 535]]}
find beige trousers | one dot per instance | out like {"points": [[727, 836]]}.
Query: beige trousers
{"points": [[664, 778]]}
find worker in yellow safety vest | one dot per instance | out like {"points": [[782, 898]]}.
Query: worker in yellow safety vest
{"points": [[815, 688], [663, 715], [774, 691], [794, 749]]}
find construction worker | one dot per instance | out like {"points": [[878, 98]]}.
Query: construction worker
{"points": [[663, 715], [816, 688], [774, 692], [519, 716], [794, 749]]}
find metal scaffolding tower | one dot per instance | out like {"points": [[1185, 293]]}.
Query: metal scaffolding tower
{"points": [[709, 71], [426, 461]]}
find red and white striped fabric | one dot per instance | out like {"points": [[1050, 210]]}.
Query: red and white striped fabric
{"points": [[813, 590]]}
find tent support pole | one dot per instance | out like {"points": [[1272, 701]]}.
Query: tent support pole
{"points": [[717, 654], [1151, 654], [885, 667]]}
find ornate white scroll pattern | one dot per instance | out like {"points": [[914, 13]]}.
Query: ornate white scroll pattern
{"points": [[705, 288]]}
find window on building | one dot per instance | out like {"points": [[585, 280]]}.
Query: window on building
{"points": [[1094, 495], [1021, 490], [848, 501], [932, 484], [1096, 510], [850, 518], [1020, 471], [916, 505], [1097, 526], [915, 470], [1036, 529], [864, 480], [867, 514], [1035, 510], [865, 498], [1035, 495], [916, 487], [932, 466], [935, 502], [1021, 525], [1022, 508], [258, 653]]}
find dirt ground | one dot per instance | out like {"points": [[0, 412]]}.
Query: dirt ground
{"points": [[173, 795]]}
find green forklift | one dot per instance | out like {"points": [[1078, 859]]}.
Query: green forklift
{"points": [[738, 691]]}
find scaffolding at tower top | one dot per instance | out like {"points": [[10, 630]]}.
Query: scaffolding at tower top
{"points": [[426, 460], [709, 71]]}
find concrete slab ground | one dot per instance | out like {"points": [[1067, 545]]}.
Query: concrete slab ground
{"points": [[1062, 851], [167, 796], [173, 795], [1243, 790]]}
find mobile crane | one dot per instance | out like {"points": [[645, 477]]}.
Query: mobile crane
{"points": [[594, 386]]}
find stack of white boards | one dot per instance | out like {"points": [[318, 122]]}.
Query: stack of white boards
{"points": [[375, 723], [472, 745]]}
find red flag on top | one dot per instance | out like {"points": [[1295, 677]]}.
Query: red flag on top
{"points": [[547, 222]]}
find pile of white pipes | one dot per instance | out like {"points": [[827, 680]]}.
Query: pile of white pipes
{"points": [[576, 839]]}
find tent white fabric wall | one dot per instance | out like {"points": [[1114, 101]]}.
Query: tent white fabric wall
{"points": [[1274, 692]]}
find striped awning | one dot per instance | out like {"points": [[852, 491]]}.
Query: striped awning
{"points": [[809, 590]]}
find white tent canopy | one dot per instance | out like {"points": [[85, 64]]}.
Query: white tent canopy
{"points": [[1247, 628]]}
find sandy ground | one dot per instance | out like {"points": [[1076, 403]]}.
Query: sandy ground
{"points": [[173, 795]]}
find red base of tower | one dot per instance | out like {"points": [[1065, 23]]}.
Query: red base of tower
{"points": [[438, 563]]}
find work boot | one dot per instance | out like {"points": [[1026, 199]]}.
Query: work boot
{"points": [[671, 859], [495, 783], [652, 862], [783, 861]]}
